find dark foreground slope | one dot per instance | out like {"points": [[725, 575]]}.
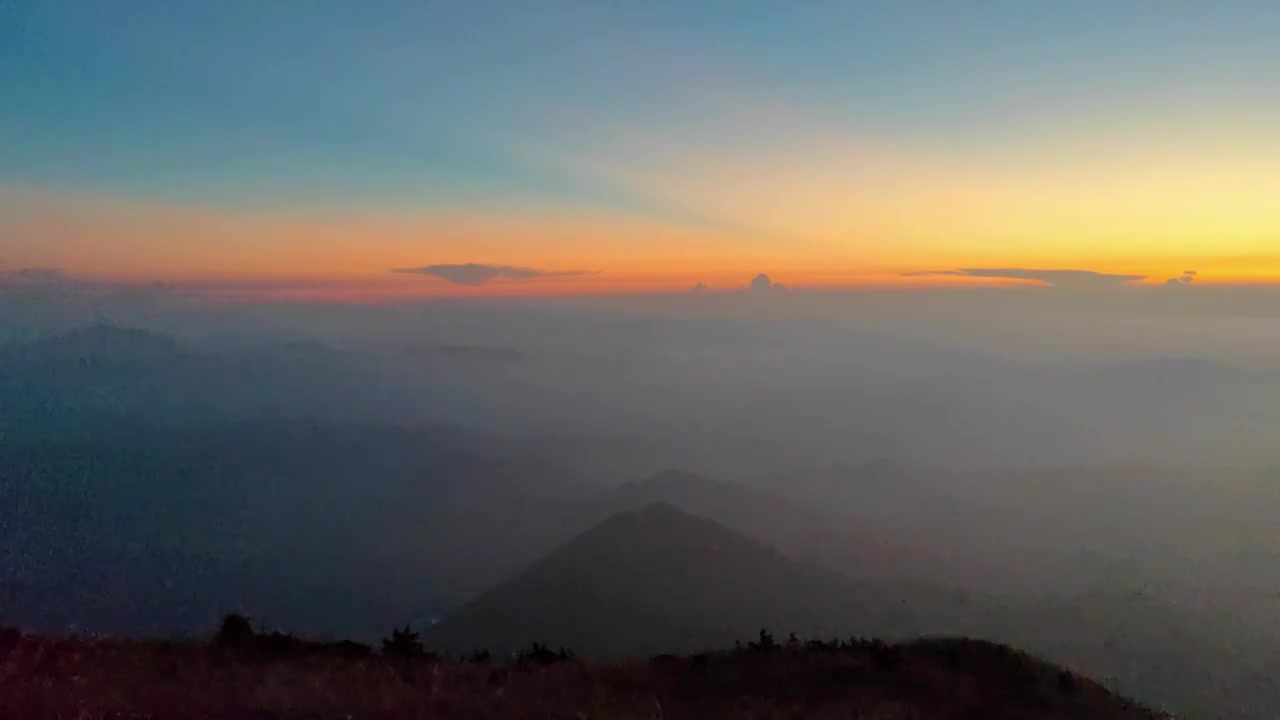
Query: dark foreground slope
{"points": [[929, 680]]}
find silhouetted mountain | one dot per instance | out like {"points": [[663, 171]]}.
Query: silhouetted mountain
{"points": [[799, 531], [659, 579], [99, 345], [510, 520], [294, 518], [109, 372], [503, 522], [463, 354], [59, 381]]}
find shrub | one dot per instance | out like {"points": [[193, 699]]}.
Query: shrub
{"points": [[701, 661], [1067, 682], [235, 631], [403, 643], [539, 654], [9, 638], [885, 657], [765, 644], [347, 649], [819, 646]]}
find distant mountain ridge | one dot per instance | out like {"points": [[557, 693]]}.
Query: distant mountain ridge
{"points": [[799, 531], [659, 579], [98, 343], [110, 371]]}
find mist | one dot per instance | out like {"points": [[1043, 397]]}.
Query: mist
{"points": [[960, 379], [338, 467]]}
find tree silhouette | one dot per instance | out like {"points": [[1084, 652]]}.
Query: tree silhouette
{"points": [[766, 643], [403, 643], [539, 654], [9, 638], [1067, 682], [235, 631], [885, 657]]}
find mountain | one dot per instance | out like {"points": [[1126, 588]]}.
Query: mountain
{"points": [[797, 530], [295, 519], [509, 522], [99, 367], [108, 372], [659, 580], [97, 345]]}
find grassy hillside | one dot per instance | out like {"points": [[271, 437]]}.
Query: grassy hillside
{"points": [[927, 680]]}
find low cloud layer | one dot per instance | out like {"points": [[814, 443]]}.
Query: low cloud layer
{"points": [[1188, 277], [762, 284], [1056, 278], [47, 280], [478, 274], [38, 276]]}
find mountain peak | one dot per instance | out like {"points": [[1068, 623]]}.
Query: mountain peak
{"points": [[655, 579], [659, 512], [675, 475], [654, 528]]}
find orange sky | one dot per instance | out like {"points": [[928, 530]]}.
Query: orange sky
{"points": [[346, 254], [656, 146]]}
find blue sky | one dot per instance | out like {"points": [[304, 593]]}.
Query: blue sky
{"points": [[422, 106]]}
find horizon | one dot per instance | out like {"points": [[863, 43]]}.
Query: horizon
{"points": [[261, 152], [955, 318]]}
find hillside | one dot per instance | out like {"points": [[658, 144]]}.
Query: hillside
{"points": [[44, 678], [662, 580]]}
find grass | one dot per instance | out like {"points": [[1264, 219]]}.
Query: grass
{"points": [[98, 679]]}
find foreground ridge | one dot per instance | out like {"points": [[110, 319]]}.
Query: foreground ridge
{"points": [[259, 676]]}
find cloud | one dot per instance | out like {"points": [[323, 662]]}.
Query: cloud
{"points": [[762, 284], [56, 280], [1188, 277], [700, 288], [1056, 278], [479, 274], [37, 276]]}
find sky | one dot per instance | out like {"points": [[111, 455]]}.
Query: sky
{"points": [[398, 149]]}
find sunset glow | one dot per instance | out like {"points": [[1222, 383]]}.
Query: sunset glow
{"points": [[637, 152]]}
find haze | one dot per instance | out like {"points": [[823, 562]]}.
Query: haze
{"points": [[341, 317]]}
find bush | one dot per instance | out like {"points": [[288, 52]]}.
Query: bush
{"points": [[404, 644], [765, 644], [885, 657], [235, 631], [1067, 682], [701, 661], [827, 647], [539, 654], [347, 649], [9, 638]]}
